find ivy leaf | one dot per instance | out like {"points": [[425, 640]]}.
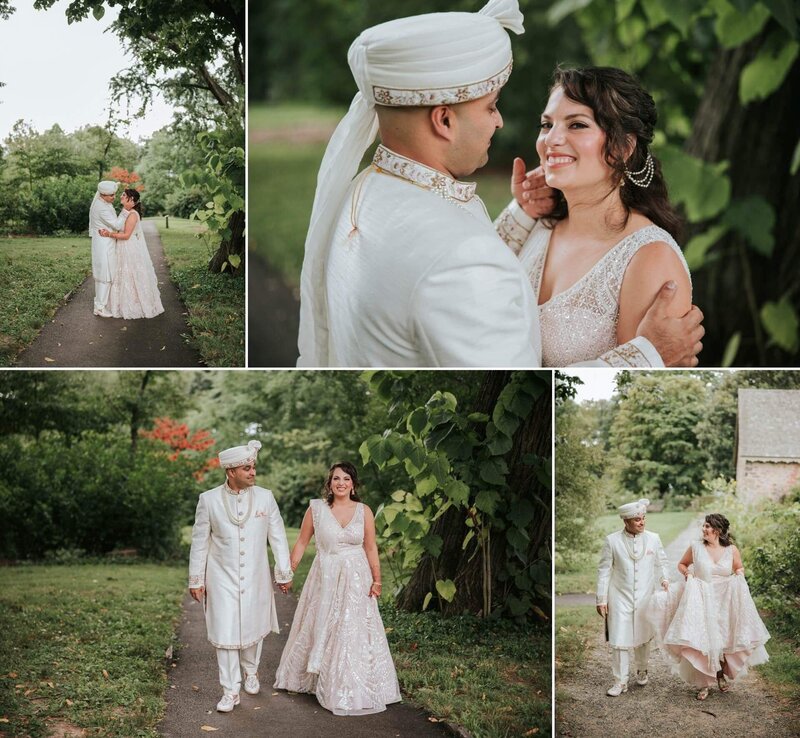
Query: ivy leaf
{"points": [[754, 218], [785, 12], [457, 491], [446, 589], [486, 501], [98, 11], [440, 466], [695, 251], [500, 444], [781, 322], [426, 601], [735, 27], [765, 74], [425, 485], [491, 474], [731, 349], [433, 545], [522, 513], [417, 421], [478, 417], [703, 189]]}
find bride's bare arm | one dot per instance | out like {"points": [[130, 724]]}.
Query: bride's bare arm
{"points": [[371, 549], [649, 269], [683, 564], [299, 548]]}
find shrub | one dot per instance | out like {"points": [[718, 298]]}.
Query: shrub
{"points": [[58, 204]]}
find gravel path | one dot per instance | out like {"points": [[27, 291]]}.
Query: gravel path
{"points": [[666, 706]]}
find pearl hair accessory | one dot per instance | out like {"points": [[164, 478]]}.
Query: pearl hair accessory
{"points": [[644, 176]]}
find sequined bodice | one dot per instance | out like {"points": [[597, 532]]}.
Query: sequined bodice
{"points": [[580, 323], [331, 536], [704, 566]]}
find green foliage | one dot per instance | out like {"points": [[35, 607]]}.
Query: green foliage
{"points": [[456, 459], [94, 496]]}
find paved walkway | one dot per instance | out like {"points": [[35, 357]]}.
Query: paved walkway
{"points": [[77, 338], [273, 317], [194, 691]]}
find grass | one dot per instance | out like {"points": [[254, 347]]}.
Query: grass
{"points": [[582, 575], [282, 180], [36, 274], [215, 301], [84, 646], [576, 629], [783, 668], [490, 676]]}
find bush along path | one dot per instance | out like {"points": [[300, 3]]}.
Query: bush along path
{"points": [[666, 705], [76, 337], [194, 690]]}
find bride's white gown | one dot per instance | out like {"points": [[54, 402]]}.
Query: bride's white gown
{"points": [[134, 287], [580, 323], [709, 617], [337, 647]]}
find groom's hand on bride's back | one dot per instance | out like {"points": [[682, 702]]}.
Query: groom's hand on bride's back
{"points": [[677, 340]]}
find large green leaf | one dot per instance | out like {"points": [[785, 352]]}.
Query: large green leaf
{"points": [[765, 74], [695, 251], [446, 589], [491, 472], [754, 218], [457, 491], [486, 501], [731, 349], [704, 189], [785, 12], [417, 421], [781, 322], [734, 27], [426, 484]]}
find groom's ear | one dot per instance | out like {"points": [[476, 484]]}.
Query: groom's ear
{"points": [[442, 120]]}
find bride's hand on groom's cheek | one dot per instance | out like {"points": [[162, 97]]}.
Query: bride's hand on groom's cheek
{"points": [[530, 190]]}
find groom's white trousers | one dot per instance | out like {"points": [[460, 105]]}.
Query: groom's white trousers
{"points": [[231, 662], [101, 290], [621, 661]]}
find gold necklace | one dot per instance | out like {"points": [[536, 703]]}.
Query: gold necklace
{"points": [[226, 504]]}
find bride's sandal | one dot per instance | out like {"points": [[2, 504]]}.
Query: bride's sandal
{"points": [[722, 682], [702, 694]]}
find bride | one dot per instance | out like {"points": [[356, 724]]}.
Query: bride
{"points": [[337, 646], [709, 629], [134, 287], [597, 260]]}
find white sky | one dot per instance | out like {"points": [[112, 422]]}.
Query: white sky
{"points": [[55, 72], [598, 384]]}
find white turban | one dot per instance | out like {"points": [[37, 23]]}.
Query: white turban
{"points": [[239, 455], [432, 59], [106, 187], [633, 509]]}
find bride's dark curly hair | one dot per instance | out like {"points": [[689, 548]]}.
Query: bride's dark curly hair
{"points": [[134, 195], [348, 469], [626, 112], [720, 524]]}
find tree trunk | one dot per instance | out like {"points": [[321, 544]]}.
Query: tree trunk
{"points": [[136, 413], [234, 246], [465, 567], [758, 140]]}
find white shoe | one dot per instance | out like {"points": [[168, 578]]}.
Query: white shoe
{"points": [[617, 690], [641, 678], [227, 703], [251, 684], [104, 313]]}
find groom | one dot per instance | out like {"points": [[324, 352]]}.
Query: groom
{"points": [[229, 569], [104, 259], [402, 266], [631, 562]]}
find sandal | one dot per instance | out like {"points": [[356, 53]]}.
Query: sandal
{"points": [[722, 682], [702, 694]]}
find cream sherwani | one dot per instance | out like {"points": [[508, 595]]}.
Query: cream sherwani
{"points": [[631, 569], [231, 562], [104, 250], [416, 276]]}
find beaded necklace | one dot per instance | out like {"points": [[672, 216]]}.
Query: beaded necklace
{"points": [[226, 504]]}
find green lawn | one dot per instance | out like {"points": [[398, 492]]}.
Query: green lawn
{"points": [[84, 645], [583, 575], [215, 301], [282, 180], [36, 275]]}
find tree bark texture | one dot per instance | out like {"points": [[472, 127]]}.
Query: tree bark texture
{"points": [[233, 245], [758, 140]]}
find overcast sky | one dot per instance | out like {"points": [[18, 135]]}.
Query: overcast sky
{"points": [[598, 384], [55, 72]]}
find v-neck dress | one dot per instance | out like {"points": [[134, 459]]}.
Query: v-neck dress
{"points": [[710, 619], [580, 323], [337, 647]]}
